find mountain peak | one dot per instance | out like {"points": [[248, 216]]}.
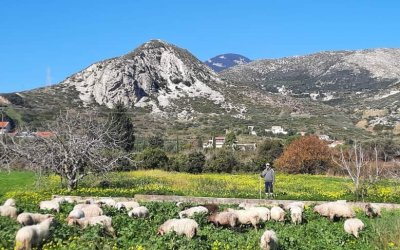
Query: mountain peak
{"points": [[225, 61]]}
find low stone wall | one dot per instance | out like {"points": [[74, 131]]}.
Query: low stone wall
{"points": [[228, 201]]}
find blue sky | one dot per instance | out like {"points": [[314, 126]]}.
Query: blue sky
{"points": [[47, 39]]}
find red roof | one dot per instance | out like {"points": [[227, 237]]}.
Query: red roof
{"points": [[3, 124], [219, 138], [44, 134]]}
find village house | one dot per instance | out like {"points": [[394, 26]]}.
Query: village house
{"points": [[325, 138], [219, 142], [276, 130], [251, 130], [5, 127]]}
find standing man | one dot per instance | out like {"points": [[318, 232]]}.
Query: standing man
{"points": [[269, 178]]}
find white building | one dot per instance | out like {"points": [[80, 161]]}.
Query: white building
{"points": [[219, 142], [276, 130], [325, 138]]}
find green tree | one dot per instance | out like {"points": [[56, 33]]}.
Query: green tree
{"points": [[230, 139], [267, 151], [156, 141], [123, 125], [223, 161], [195, 162], [152, 158]]}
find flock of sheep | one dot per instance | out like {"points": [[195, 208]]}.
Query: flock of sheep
{"points": [[36, 226]]}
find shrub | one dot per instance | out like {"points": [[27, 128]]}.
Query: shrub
{"points": [[308, 155], [267, 151], [178, 163], [195, 162], [223, 161], [151, 158]]}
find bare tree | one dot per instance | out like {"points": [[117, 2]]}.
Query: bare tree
{"points": [[363, 167], [77, 145]]}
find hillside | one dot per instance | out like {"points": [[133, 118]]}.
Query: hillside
{"points": [[225, 61]]}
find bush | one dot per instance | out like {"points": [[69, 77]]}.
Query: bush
{"points": [[306, 155], [223, 161], [178, 163], [267, 151], [195, 162], [151, 158]]}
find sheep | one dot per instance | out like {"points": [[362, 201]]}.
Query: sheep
{"points": [[27, 219], [212, 208], [50, 205], [107, 202], [372, 210], [34, 235], [8, 211], [224, 219], [245, 205], [277, 214], [353, 226], [335, 210], [263, 212], [126, 204], [246, 217], [269, 240], [59, 200], [91, 210], [295, 204], [191, 211], [296, 214], [139, 212], [187, 227], [9, 202], [75, 214], [104, 221]]}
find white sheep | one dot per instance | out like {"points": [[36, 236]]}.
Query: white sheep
{"points": [[139, 212], [296, 214], [224, 219], [59, 200], [10, 202], [277, 214], [191, 211], [8, 211], [269, 240], [107, 202], [263, 212], [91, 210], [335, 210], [50, 205], [104, 221], [34, 235], [187, 227], [353, 226], [246, 217], [27, 219], [126, 205], [372, 210], [75, 214], [295, 204]]}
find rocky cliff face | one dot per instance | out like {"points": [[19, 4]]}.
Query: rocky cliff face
{"points": [[225, 61], [156, 74]]}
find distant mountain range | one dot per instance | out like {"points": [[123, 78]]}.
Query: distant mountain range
{"points": [[338, 92], [225, 61]]}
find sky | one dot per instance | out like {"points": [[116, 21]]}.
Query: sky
{"points": [[42, 42]]}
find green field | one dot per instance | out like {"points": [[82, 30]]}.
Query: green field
{"points": [[315, 232]]}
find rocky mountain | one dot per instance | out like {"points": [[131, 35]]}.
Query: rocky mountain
{"points": [[156, 75], [225, 61], [353, 81]]}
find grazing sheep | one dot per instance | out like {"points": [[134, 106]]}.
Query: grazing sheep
{"points": [[104, 221], [224, 219], [75, 214], [59, 200], [269, 240], [263, 212], [277, 214], [295, 204], [126, 205], [8, 211], [372, 210], [212, 208], [296, 214], [70, 200], [246, 205], [50, 205], [92, 210], [34, 235], [27, 219], [353, 226], [191, 211], [187, 227], [340, 210], [246, 217], [9, 202], [139, 212], [322, 209], [107, 202]]}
